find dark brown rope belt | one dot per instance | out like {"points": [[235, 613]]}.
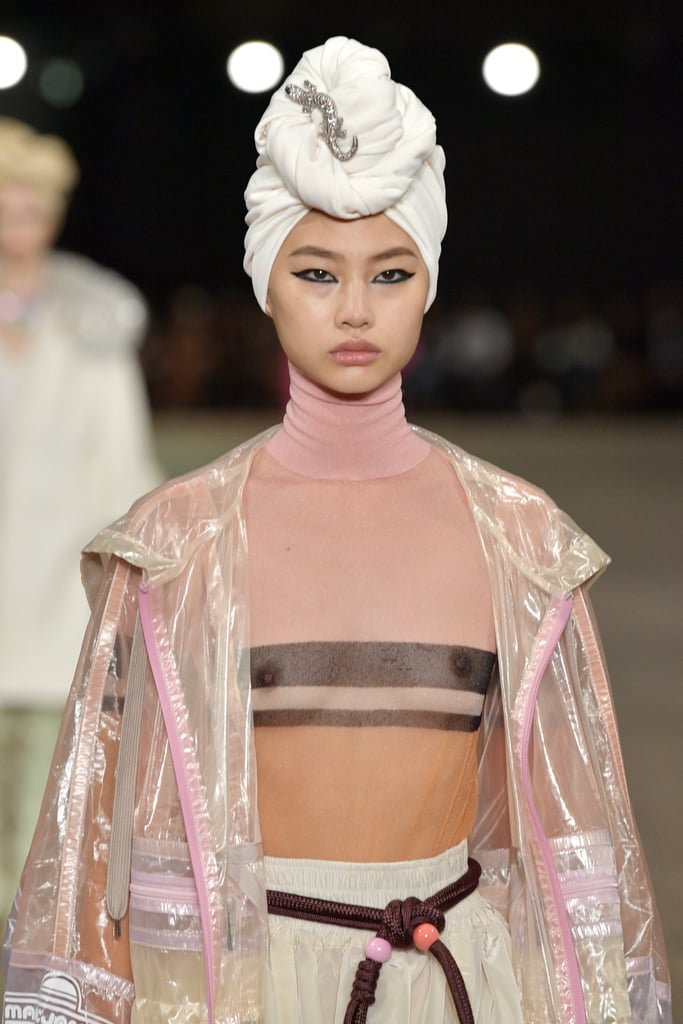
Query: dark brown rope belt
{"points": [[402, 924]]}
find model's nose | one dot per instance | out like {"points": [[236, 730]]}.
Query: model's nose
{"points": [[355, 305]]}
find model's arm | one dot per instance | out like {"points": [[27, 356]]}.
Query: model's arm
{"points": [[643, 945], [63, 943]]}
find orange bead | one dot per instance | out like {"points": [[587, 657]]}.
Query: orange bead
{"points": [[425, 935]]}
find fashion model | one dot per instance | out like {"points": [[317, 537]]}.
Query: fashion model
{"points": [[75, 450], [341, 746]]}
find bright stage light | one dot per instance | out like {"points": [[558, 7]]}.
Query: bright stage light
{"points": [[13, 62], [511, 69], [255, 66]]}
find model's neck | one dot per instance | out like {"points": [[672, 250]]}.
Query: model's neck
{"points": [[340, 437], [22, 276]]}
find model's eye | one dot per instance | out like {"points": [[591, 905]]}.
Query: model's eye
{"points": [[316, 274], [393, 276]]}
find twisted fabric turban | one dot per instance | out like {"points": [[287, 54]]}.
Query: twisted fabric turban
{"points": [[397, 168]]}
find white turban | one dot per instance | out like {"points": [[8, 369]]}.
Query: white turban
{"points": [[397, 168]]}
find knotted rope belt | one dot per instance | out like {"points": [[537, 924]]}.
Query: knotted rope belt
{"points": [[402, 924]]}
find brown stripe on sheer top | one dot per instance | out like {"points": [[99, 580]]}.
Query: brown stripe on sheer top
{"points": [[361, 684]]}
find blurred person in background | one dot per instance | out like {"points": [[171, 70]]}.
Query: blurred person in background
{"points": [[75, 448], [664, 343], [575, 354], [475, 354]]}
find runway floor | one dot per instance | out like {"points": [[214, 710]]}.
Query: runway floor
{"points": [[621, 480]]}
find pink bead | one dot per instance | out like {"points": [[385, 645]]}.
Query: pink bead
{"points": [[378, 949], [425, 935]]}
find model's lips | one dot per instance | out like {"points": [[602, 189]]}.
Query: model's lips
{"points": [[355, 352], [356, 345]]}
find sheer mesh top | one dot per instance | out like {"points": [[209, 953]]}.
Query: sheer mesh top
{"points": [[372, 647], [367, 685]]}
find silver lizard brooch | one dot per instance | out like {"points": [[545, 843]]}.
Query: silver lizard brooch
{"points": [[331, 127]]}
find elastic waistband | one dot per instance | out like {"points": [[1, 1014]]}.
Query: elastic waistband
{"points": [[376, 883], [404, 923]]}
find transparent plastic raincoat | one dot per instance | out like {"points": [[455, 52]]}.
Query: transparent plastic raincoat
{"points": [[144, 894]]}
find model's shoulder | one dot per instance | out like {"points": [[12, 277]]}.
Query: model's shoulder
{"points": [[484, 478], [216, 485], [522, 519], [104, 309], [164, 527], [77, 271]]}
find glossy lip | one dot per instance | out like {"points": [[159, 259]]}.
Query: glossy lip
{"points": [[356, 345], [355, 352]]}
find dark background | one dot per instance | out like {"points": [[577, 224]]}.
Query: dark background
{"points": [[576, 184], [573, 188]]}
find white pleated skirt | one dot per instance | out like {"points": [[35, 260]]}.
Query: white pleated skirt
{"points": [[311, 967]]}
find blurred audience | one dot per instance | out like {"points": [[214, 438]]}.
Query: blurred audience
{"points": [[664, 342], [211, 352], [472, 353], [523, 352], [75, 450], [573, 353]]}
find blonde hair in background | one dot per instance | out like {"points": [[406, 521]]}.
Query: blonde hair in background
{"points": [[42, 161]]}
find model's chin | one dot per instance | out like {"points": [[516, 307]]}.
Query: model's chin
{"points": [[353, 384], [349, 380]]}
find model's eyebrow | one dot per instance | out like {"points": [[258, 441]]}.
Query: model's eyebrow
{"points": [[396, 250], [328, 254], [314, 250]]}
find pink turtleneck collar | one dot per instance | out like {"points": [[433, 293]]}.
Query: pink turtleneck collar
{"points": [[333, 437]]}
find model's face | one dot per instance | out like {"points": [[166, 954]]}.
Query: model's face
{"points": [[27, 222], [347, 299]]}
